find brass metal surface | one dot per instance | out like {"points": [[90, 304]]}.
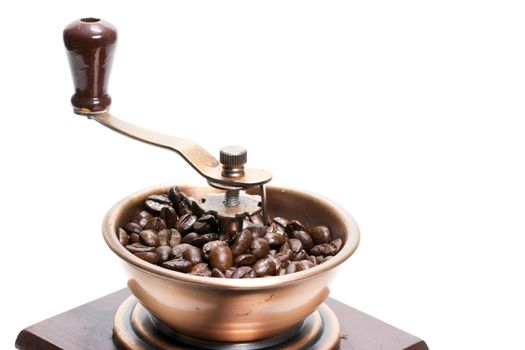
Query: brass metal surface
{"points": [[135, 328], [235, 309]]}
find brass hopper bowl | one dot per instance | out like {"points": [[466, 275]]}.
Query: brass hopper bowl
{"points": [[234, 310], [227, 311]]}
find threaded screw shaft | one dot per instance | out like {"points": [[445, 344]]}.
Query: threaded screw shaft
{"points": [[231, 198]]}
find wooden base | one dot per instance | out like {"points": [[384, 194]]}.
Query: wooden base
{"points": [[90, 326]]}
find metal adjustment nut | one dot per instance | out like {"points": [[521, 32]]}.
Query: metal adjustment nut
{"points": [[233, 159]]}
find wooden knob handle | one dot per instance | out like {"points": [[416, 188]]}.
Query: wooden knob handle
{"points": [[90, 45]]}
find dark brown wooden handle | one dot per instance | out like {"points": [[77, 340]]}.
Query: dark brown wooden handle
{"points": [[90, 45]]}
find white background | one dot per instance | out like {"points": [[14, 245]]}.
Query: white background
{"points": [[407, 113]]}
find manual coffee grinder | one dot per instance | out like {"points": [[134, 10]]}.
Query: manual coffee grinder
{"points": [[174, 310]]}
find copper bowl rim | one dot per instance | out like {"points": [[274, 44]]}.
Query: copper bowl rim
{"points": [[110, 236]]}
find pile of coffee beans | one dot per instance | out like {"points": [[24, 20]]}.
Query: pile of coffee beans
{"points": [[173, 231]]}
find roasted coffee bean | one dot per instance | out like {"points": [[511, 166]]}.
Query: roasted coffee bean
{"points": [[285, 254], [205, 224], [203, 239], [174, 196], [142, 218], [319, 259], [295, 245], [242, 243], [133, 227], [169, 215], [295, 225], [179, 265], [274, 239], [285, 263], [164, 236], [278, 263], [151, 257], [197, 240], [251, 274], [176, 238], [156, 202], [300, 255], [272, 228], [245, 259], [303, 265], [229, 273], [190, 237], [281, 221], [123, 237], [134, 238], [323, 249], [200, 268], [221, 257], [159, 198], [320, 235], [193, 255], [155, 223], [179, 250], [207, 248], [291, 268], [305, 239], [194, 206], [241, 272], [337, 244], [257, 230], [139, 248], [185, 223], [164, 252], [276, 228], [260, 248], [264, 267], [183, 209], [312, 259], [217, 273], [257, 219], [149, 238]]}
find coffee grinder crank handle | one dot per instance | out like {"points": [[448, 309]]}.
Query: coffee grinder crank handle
{"points": [[90, 45]]}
